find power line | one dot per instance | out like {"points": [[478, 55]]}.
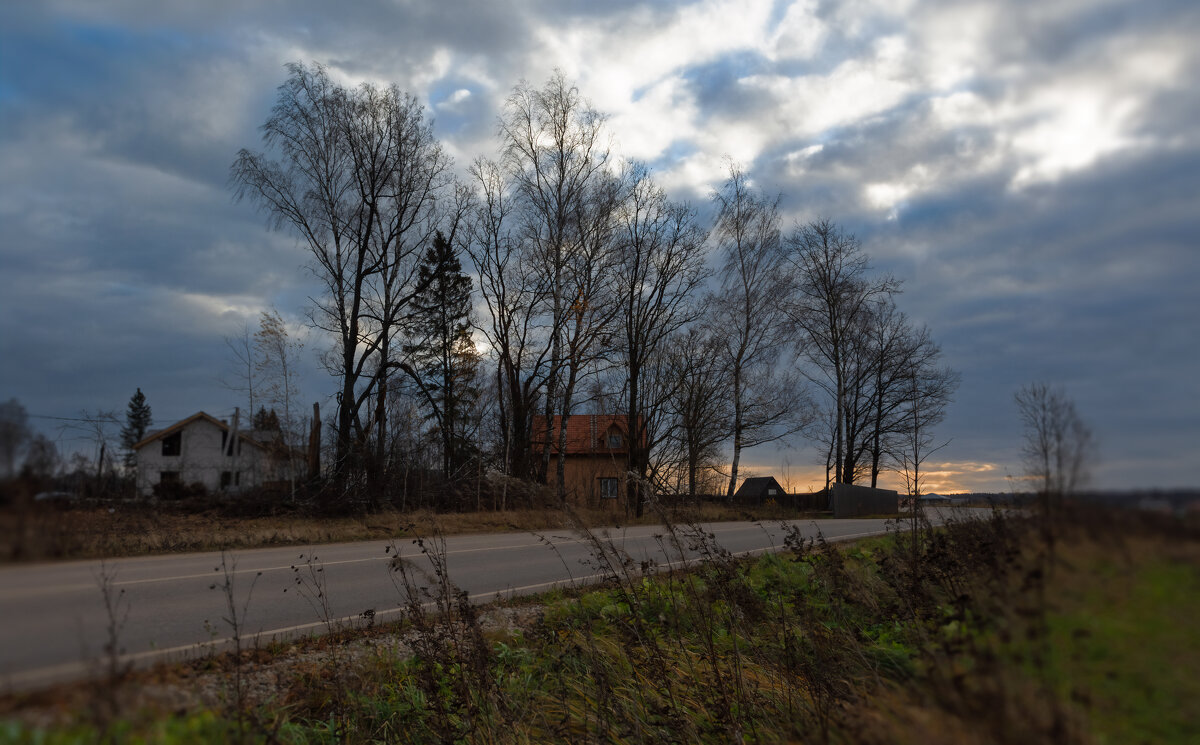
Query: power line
{"points": [[74, 419]]}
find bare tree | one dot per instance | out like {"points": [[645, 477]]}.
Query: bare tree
{"points": [[555, 157], [97, 426], [700, 402], [661, 270], [242, 376], [275, 366], [909, 387], [514, 287], [359, 176], [834, 298], [1057, 446], [751, 313], [1057, 442], [927, 392], [593, 274]]}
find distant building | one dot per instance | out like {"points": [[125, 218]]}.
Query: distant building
{"points": [[594, 472], [203, 449], [759, 489]]}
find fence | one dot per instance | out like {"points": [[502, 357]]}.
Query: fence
{"points": [[860, 501]]}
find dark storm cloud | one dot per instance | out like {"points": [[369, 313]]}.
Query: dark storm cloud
{"points": [[935, 131], [1089, 284], [1084, 278]]}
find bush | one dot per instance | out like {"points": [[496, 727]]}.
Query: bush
{"points": [[177, 490]]}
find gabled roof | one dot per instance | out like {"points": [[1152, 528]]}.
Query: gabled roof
{"points": [[177, 426], [587, 434], [757, 486]]}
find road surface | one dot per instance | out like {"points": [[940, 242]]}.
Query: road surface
{"points": [[54, 625]]}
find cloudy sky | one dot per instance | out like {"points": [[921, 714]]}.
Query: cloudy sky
{"points": [[1030, 170]]}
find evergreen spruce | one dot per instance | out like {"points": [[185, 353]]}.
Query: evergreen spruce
{"points": [[137, 421], [442, 359], [266, 421]]}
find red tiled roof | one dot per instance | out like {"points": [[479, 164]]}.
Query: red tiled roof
{"points": [[586, 433]]}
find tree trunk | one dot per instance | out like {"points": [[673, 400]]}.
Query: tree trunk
{"points": [[737, 429], [314, 445]]}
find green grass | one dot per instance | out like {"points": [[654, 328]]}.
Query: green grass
{"points": [[1125, 645]]}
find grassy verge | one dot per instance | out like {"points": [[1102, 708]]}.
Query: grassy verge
{"points": [[975, 633], [1124, 641], [47, 532]]}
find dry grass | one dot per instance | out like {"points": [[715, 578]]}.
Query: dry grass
{"points": [[47, 532]]}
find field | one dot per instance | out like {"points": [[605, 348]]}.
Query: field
{"points": [[1006, 630]]}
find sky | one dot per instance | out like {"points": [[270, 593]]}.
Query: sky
{"points": [[1029, 169]]}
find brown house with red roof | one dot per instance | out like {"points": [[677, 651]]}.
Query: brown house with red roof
{"points": [[597, 456]]}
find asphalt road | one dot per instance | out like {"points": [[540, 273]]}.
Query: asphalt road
{"points": [[54, 624]]}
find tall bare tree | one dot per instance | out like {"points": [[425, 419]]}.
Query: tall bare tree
{"points": [[276, 358], [1058, 445], [241, 375], [514, 288], [1057, 442], [556, 157], [660, 272], [359, 176], [928, 389], [909, 388], [833, 302], [752, 313]]}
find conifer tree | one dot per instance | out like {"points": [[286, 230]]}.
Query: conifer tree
{"points": [[266, 421], [441, 355], [137, 421]]}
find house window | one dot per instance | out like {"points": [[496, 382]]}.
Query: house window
{"points": [[168, 477], [614, 439], [230, 478], [172, 444], [225, 444], [772, 492], [609, 488]]}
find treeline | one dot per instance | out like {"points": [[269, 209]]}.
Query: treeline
{"points": [[587, 290]]}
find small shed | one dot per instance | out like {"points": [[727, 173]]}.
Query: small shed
{"points": [[759, 489]]}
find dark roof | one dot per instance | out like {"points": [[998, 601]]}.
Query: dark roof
{"points": [[244, 436], [758, 486]]}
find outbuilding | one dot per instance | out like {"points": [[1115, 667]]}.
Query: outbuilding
{"points": [[759, 489]]}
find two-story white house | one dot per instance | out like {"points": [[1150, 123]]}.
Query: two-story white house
{"points": [[203, 449]]}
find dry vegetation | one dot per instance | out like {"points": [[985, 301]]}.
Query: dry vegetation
{"points": [[976, 633], [45, 532]]}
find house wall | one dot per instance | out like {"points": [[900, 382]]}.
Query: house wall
{"points": [[582, 474], [200, 460]]}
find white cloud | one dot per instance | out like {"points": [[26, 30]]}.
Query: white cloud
{"points": [[799, 34], [667, 112], [954, 43], [809, 105]]}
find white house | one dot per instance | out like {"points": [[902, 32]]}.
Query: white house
{"points": [[199, 450]]}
